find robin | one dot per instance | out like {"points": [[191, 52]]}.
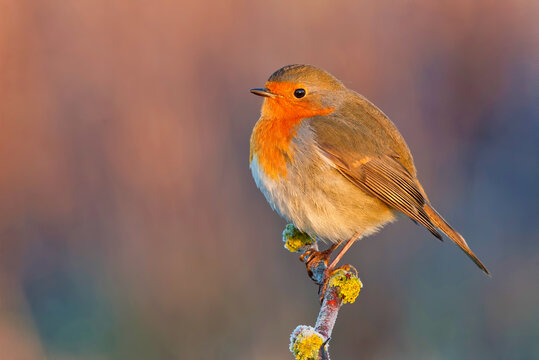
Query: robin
{"points": [[334, 165]]}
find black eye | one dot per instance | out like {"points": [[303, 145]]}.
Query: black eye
{"points": [[299, 93]]}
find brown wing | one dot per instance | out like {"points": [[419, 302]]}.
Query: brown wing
{"points": [[365, 147], [385, 178]]}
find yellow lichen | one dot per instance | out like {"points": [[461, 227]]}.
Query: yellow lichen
{"points": [[293, 245], [306, 346], [294, 239], [348, 285]]}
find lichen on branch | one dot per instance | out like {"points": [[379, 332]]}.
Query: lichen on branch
{"points": [[306, 342], [297, 241], [348, 285]]}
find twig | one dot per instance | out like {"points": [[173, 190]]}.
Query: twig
{"points": [[306, 342]]}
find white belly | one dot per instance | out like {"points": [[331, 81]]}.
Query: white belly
{"points": [[332, 209]]}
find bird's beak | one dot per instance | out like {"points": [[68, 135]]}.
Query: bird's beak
{"points": [[263, 92]]}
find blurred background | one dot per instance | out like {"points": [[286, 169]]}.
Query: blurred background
{"points": [[130, 225]]}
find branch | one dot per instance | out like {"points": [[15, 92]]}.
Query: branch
{"points": [[306, 342]]}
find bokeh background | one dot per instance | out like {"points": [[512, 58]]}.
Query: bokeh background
{"points": [[130, 225]]}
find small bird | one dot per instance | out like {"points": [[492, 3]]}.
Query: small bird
{"points": [[334, 165]]}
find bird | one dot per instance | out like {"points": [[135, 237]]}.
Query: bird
{"points": [[333, 164]]}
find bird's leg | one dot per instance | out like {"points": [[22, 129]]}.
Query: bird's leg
{"points": [[343, 251], [314, 258], [331, 268]]}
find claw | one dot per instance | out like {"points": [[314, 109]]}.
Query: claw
{"points": [[313, 259], [309, 254]]}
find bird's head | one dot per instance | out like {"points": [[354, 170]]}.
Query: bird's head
{"points": [[300, 91]]}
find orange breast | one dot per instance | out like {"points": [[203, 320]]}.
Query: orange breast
{"points": [[272, 136], [270, 142]]}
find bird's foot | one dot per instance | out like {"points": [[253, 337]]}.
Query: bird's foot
{"points": [[329, 272], [316, 262]]}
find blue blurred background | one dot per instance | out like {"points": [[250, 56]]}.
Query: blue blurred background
{"points": [[131, 227]]}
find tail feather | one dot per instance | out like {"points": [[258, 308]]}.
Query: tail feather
{"points": [[440, 223]]}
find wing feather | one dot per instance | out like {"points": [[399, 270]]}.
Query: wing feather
{"points": [[386, 179]]}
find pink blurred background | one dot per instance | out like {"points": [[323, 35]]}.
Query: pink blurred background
{"points": [[131, 227]]}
